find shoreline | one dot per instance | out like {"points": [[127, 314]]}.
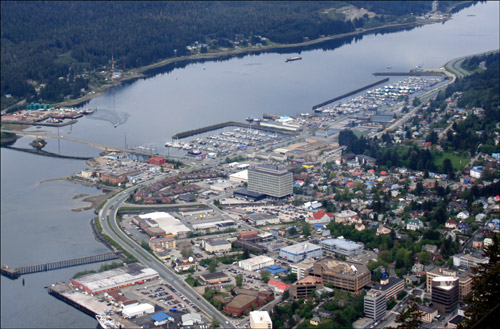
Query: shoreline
{"points": [[139, 73]]}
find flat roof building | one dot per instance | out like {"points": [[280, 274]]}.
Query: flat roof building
{"points": [[300, 251], [375, 304], [270, 180], [464, 281], [343, 275], [260, 320], [302, 268], [445, 294], [304, 287], [391, 286], [342, 246], [256, 263], [127, 275], [214, 246]]}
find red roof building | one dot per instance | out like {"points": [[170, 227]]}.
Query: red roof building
{"points": [[156, 161]]}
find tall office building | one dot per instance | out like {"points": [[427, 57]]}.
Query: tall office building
{"points": [[445, 294], [375, 304], [270, 180]]}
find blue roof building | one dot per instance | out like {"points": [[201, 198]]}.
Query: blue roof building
{"points": [[274, 269]]}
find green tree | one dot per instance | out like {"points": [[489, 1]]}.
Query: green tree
{"points": [[212, 266], [239, 280], [484, 300], [425, 257], [448, 168], [215, 322], [410, 318], [306, 229], [265, 275], [187, 251]]}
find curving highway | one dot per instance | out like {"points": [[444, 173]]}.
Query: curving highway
{"points": [[108, 220]]}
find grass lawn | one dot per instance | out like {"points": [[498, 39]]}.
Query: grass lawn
{"points": [[458, 162]]}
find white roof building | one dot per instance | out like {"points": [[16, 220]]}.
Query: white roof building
{"points": [[191, 319], [167, 222], [256, 263], [260, 320], [240, 176], [129, 311]]}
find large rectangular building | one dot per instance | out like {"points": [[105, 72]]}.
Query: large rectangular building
{"points": [[341, 246], [375, 304], [304, 287], [256, 263], [464, 281], [300, 251], [445, 294], [391, 286], [120, 277], [343, 275], [270, 180], [302, 268]]}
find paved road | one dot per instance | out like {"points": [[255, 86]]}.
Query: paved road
{"points": [[110, 227]]}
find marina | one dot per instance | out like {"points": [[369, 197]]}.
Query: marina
{"points": [[349, 93], [379, 98]]}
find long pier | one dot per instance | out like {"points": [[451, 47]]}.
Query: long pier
{"points": [[411, 73], [14, 273], [228, 124], [349, 93]]}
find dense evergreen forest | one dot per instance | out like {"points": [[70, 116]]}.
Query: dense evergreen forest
{"points": [[53, 49]]}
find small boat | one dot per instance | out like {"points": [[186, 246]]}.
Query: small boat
{"points": [[106, 322], [291, 59], [389, 67]]}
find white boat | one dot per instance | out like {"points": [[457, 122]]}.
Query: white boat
{"points": [[106, 322]]}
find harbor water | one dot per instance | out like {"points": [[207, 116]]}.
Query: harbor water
{"points": [[38, 224]]}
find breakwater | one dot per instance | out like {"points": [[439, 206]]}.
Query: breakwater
{"points": [[49, 154], [349, 93], [411, 73], [229, 124]]}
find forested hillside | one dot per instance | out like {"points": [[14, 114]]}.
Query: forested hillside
{"points": [[52, 49]]}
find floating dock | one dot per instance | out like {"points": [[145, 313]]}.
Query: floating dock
{"points": [[411, 73], [350, 93], [14, 273], [202, 130]]}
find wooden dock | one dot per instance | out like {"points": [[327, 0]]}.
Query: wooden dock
{"points": [[14, 273]]}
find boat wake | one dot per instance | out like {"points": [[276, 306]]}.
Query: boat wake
{"points": [[114, 117]]}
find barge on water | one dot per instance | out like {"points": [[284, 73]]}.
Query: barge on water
{"points": [[291, 59]]}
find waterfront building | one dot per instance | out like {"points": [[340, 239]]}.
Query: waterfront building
{"points": [[301, 251], [445, 294], [342, 246], [343, 275], [127, 275], [260, 320], [375, 304], [270, 180]]}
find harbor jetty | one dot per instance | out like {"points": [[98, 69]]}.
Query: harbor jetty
{"points": [[14, 273], [217, 126], [350, 93]]}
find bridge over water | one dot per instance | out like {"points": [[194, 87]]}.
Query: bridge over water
{"points": [[16, 272]]}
